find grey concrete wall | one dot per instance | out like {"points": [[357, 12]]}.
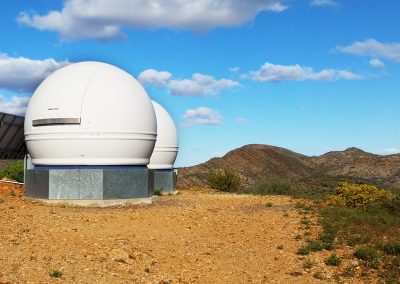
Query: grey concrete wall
{"points": [[89, 184], [126, 183], [165, 181], [37, 184]]}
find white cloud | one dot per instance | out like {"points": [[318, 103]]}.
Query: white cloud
{"points": [[154, 77], [390, 151], [276, 6], [376, 63], [201, 115], [373, 48], [234, 69], [198, 85], [104, 19], [24, 74], [325, 3], [241, 120], [345, 75], [269, 72], [15, 105]]}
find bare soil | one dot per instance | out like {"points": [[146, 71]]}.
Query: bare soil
{"points": [[195, 237]]}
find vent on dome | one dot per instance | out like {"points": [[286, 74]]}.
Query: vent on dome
{"points": [[55, 121]]}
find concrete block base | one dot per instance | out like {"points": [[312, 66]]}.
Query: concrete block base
{"points": [[165, 181], [94, 203], [86, 184]]}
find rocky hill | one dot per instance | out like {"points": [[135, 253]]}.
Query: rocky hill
{"points": [[254, 163]]}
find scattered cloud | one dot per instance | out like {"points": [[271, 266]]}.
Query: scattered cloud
{"points": [[15, 105], [323, 3], [373, 48], [23, 74], [376, 63], [269, 72], [200, 85], [154, 77], [197, 85], [345, 75], [390, 151], [234, 69], [104, 19], [201, 116], [241, 120]]}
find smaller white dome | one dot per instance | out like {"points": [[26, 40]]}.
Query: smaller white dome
{"points": [[166, 148]]}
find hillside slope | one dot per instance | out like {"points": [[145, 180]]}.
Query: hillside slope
{"points": [[254, 163], [354, 162], [250, 162]]}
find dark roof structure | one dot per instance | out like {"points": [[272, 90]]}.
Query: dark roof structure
{"points": [[12, 142]]}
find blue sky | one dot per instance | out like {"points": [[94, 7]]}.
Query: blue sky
{"points": [[308, 75]]}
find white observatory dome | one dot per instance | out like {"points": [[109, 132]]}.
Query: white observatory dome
{"points": [[166, 148], [90, 113]]}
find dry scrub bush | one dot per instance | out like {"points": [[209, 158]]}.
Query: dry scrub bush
{"points": [[224, 180]]}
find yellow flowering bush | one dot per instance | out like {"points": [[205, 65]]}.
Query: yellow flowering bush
{"points": [[359, 195]]}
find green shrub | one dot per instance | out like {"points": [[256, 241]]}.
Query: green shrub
{"points": [[392, 249], [360, 195], [391, 273], [14, 171], [328, 235], [55, 274], [366, 254], [316, 246], [369, 255], [392, 206], [357, 240], [303, 206], [305, 221], [369, 222], [333, 260], [319, 275], [224, 180], [269, 204], [304, 250], [279, 187]]}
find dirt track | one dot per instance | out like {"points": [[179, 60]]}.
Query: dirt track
{"points": [[199, 237]]}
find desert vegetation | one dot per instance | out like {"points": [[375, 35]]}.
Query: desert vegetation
{"points": [[13, 171], [224, 180], [362, 216], [365, 218], [368, 219]]}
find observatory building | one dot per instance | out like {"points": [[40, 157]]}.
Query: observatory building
{"points": [[165, 151], [90, 129]]}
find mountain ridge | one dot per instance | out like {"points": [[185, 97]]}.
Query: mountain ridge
{"points": [[257, 162]]}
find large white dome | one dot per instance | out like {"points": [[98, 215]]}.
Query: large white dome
{"points": [[90, 113], [166, 148]]}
